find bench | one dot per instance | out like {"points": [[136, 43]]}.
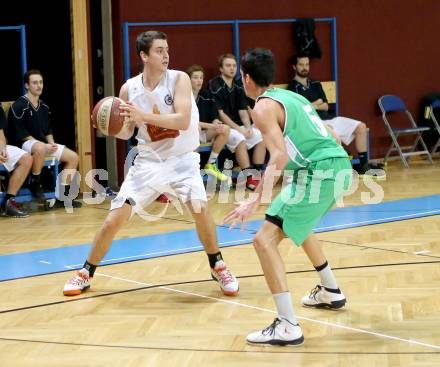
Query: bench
{"points": [[329, 90], [24, 194]]}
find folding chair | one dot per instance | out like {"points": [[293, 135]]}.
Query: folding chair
{"points": [[434, 105], [389, 103]]}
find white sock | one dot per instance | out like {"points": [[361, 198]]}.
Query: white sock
{"points": [[326, 275], [213, 157], [283, 301]]}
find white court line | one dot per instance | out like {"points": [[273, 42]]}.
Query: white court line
{"points": [[385, 336], [421, 252], [45, 262], [178, 251], [378, 220]]}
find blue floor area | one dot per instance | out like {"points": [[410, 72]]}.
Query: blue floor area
{"points": [[48, 261]]}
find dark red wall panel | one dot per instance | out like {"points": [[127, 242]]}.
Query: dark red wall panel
{"points": [[384, 46]]}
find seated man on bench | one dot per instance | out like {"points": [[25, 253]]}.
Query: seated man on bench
{"points": [[30, 125], [16, 160], [211, 128], [347, 129]]}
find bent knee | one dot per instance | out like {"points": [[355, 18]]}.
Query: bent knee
{"points": [[198, 207], [362, 127], [111, 225], [39, 149], [26, 160], [73, 158], [261, 242]]}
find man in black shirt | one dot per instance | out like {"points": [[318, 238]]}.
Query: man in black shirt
{"points": [[210, 127], [345, 128], [232, 106], [18, 162], [30, 124]]}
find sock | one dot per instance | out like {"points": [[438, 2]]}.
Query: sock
{"points": [[8, 196], [63, 189], [213, 258], [212, 157], [66, 190], [90, 268], [363, 160], [283, 302], [5, 200], [36, 177], [259, 167], [326, 275]]}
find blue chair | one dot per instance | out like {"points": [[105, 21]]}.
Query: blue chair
{"points": [[389, 104], [435, 105]]}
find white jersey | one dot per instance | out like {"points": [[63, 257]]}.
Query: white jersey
{"points": [[165, 143]]}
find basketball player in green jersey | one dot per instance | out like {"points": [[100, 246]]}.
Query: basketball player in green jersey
{"points": [[297, 140]]}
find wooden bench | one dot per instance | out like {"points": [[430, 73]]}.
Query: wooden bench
{"points": [[329, 88], [24, 194]]}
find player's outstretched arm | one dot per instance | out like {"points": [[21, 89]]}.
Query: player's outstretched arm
{"points": [[266, 116]]}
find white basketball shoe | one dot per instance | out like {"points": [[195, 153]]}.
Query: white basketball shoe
{"points": [[281, 332], [321, 297]]}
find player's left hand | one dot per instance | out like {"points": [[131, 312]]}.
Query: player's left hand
{"points": [[130, 111], [51, 148], [220, 128]]}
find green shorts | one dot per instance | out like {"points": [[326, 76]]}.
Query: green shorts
{"points": [[300, 205]]}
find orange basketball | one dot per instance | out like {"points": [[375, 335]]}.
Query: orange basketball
{"points": [[106, 116]]}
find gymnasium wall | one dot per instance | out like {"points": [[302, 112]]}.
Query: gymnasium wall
{"points": [[48, 44], [384, 46]]}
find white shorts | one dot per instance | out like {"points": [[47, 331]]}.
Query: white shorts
{"points": [[179, 177], [14, 155], [28, 144], [344, 128], [203, 137], [235, 138]]}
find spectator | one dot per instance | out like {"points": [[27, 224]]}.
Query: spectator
{"points": [[232, 106], [346, 128], [18, 162], [211, 128], [30, 124]]}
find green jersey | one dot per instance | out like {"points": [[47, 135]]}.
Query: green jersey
{"points": [[306, 137]]}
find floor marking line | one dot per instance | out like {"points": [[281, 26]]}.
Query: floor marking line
{"points": [[382, 335]]}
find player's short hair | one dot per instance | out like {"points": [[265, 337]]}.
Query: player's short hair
{"points": [[193, 68], [28, 74], [221, 58], [259, 64], [301, 55], [145, 39]]}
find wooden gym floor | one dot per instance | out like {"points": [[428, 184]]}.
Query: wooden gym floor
{"points": [[167, 312]]}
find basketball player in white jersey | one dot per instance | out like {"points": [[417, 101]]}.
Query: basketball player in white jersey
{"points": [[161, 105]]}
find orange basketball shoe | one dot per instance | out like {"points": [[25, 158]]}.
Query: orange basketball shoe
{"points": [[79, 283], [228, 283]]}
